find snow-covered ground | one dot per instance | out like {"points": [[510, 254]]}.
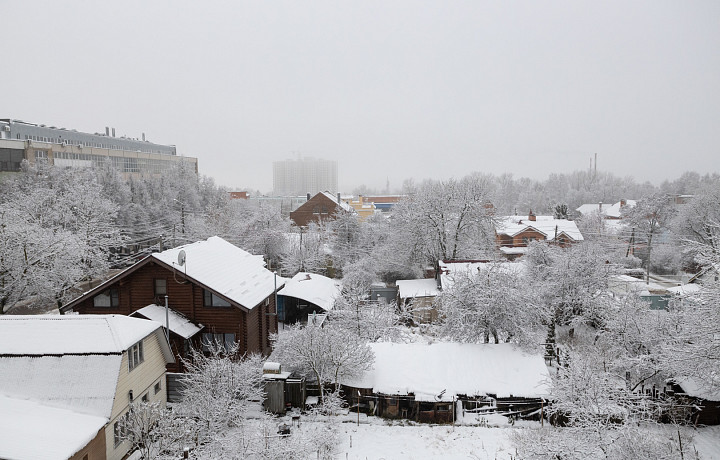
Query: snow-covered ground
{"points": [[376, 442], [707, 442], [379, 439]]}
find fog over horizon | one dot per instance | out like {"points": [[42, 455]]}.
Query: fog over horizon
{"points": [[390, 91]]}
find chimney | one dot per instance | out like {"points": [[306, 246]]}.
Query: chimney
{"points": [[113, 132], [531, 216], [143, 137], [600, 206], [308, 197], [107, 131], [339, 198], [623, 203]]}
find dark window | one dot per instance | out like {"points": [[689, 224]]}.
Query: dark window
{"points": [[158, 387], [144, 398], [222, 340], [107, 299], [160, 287], [135, 355], [211, 300], [10, 159]]}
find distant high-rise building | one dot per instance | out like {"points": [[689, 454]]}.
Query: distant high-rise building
{"points": [[304, 175]]}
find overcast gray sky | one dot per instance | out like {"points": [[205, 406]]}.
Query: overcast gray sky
{"points": [[389, 89]]}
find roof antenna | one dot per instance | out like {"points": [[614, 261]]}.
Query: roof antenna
{"points": [[182, 257]]}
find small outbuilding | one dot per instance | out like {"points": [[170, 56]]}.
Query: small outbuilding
{"points": [[434, 382], [305, 294]]}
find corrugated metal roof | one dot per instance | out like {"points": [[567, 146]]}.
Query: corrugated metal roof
{"points": [[68, 334], [84, 384]]}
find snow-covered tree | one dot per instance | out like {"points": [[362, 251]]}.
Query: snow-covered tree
{"points": [[446, 220], [647, 219], [328, 354], [57, 228], [305, 251], [697, 223], [573, 281], [493, 303], [218, 390]]}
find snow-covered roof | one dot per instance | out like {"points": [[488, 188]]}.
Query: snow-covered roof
{"points": [[29, 429], [226, 269], [613, 211], [451, 271], [547, 225], [702, 390], [71, 361], [66, 334], [340, 203], [509, 250], [455, 368], [179, 324], [417, 288], [625, 284], [685, 289], [317, 289], [85, 384]]}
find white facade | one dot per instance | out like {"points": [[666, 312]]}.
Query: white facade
{"points": [[303, 176]]}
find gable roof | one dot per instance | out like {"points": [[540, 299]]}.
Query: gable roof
{"points": [[613, 211], [72, 361], [317, 289], [179, 324], [214, 264], [547, 225], [426, 370], [38, 335], [236, 275], [417, 288], [451, 271], [343, 205]]}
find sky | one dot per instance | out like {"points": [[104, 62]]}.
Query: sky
{"points": [[391, 89]]}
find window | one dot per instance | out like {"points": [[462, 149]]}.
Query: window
{"points": [[108, 298], [135, 355], [160, 287], [119, 430], [211, 300], [144, 398], [223, 340], [158, 387]]}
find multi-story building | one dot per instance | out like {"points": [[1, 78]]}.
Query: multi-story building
{"points": [[304, 175], [68, 147]]}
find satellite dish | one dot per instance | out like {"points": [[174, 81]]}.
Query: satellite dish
{"points": [[181, 257]]}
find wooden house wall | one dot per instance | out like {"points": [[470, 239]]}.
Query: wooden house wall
{"points": [[518, 241], [709, 413], [136, 290], [312, 210]]}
